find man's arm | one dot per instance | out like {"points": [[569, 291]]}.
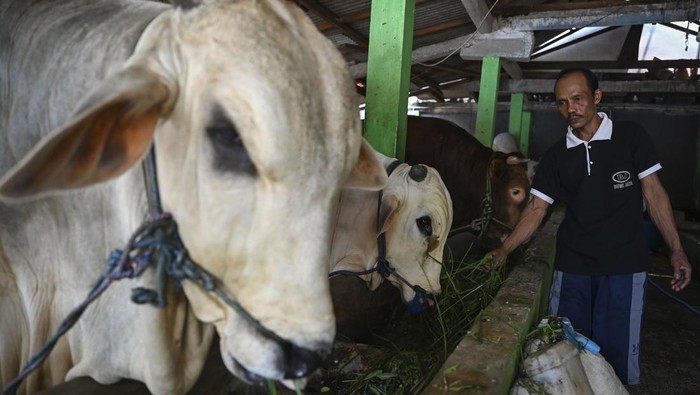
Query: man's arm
{"points": [[659, 207], [530, 220]]}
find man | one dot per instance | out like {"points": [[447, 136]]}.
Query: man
{"points": [[602, 171]]}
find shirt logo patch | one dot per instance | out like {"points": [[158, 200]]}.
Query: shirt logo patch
{"points": [[621, 176], [621, 179]]}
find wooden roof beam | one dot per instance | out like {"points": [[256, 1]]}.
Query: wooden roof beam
{"points": [[547, 86], [574, 42], [325, 14], [478, 11], [354, 17], [613, 64], [480, 15], [607, 14]]}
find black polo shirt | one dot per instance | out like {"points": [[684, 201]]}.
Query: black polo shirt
{"points": [[602, 232]]}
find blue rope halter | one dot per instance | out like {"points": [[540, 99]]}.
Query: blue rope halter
{"points": [[423, 299], [157, 239]]}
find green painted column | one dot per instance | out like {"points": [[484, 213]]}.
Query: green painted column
{"points": [[488, 96], [388, 75], [515, 119], [520, 122], [525, 129]]}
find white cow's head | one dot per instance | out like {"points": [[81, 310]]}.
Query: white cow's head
{"points": [[254, 118], [416, 216]]}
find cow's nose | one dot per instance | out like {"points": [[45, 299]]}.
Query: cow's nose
{"points": [[300, 362]]}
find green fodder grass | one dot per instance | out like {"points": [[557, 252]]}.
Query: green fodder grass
{"points": [[414, 348], [404, 355]]}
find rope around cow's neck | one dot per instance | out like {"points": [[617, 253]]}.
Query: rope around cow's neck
{"points": [[180, 266], [157, 238]]}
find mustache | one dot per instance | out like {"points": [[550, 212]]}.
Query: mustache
{"points": [[573, 116]]}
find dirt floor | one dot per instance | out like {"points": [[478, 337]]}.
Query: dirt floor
{"points": [[670, 353]]}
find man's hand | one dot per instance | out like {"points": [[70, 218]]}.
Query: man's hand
{"points": [[682, 271], [494, 259]]}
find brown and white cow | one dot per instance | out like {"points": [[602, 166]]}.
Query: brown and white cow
{"points": [[468, 169], [414, 215], [253, 117]]}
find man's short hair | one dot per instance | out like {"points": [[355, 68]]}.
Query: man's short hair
{"points": [[591, 79]]}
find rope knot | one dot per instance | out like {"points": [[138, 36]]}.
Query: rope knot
{"points": [[383, 267]]}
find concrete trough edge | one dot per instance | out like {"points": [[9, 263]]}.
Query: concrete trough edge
{"points": [[487, 359]]}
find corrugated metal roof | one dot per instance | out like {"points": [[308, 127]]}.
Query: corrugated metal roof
{"points": [[347, 24]]}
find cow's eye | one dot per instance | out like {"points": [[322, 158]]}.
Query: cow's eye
{"points": [[226, 136], [425, 225], [230, 153]]}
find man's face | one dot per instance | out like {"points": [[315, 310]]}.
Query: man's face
{"points": [[576, 103]]}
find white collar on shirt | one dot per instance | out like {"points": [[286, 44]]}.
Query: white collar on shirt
{"points": [[604, 132]]}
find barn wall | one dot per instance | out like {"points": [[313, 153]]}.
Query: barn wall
{"points": [[675, 137]]}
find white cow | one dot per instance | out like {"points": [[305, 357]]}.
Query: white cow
{"points": [[505, 142], [415, 214], [253, 117]]}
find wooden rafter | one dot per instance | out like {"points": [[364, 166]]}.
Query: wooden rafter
{"points": [[441, 26], [612, 64], [354, 17], [558, 6], [325, 14], [630, 48], [576, 41], [681, 29]]}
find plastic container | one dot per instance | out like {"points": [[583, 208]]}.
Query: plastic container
{"points": [[559, 369], [601, 376]]}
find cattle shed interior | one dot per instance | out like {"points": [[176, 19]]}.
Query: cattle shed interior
{"points": [[645, 54], [461, 58], [490, 66]]}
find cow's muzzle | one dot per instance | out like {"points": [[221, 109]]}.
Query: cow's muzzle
{"points": [[421, 302], [293, 361], [297, 362]]}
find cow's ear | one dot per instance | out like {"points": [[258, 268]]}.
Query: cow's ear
{"points": [[514, 160], [368, 173], [107, 136], [387, 212]]}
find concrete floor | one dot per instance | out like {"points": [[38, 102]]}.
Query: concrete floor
{"points": [[670, 348]]}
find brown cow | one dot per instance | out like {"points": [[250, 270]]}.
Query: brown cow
{"points": [[463, 163]]}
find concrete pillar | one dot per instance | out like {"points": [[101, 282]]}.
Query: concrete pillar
{"points": [[525, 130], [516, 115], [488, 96], [388, 75], [520, 122]]}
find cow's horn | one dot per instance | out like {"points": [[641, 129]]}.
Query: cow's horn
{"points": [[186, 4], [418, 173], [514, 160]]}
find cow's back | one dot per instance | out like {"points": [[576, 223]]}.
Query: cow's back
{"points": [[460, 159], [52, 54], [465, 165]]}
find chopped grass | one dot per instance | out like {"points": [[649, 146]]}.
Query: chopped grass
{"points": [[415, 348], [405, 355]]}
